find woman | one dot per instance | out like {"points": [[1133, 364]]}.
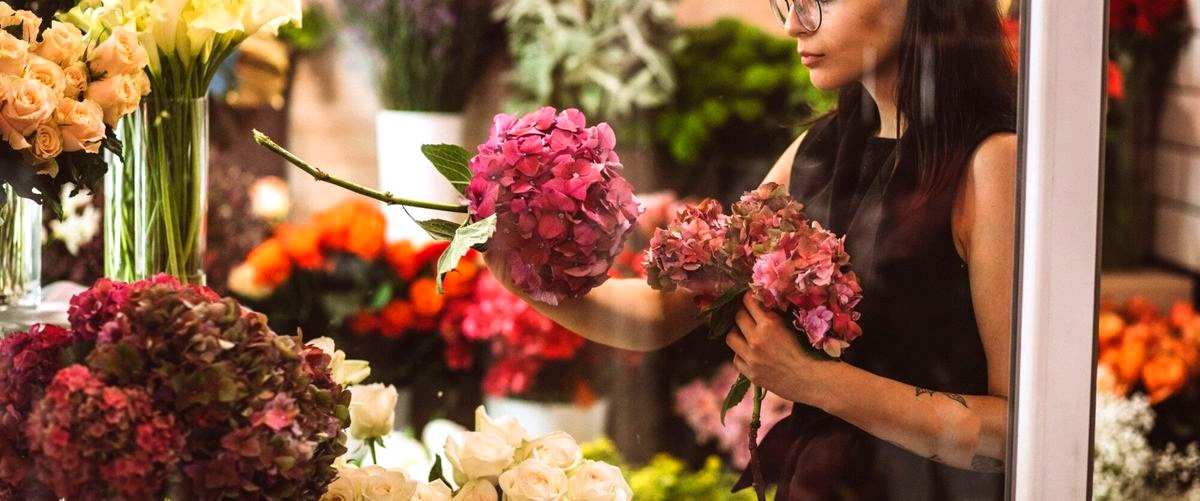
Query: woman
{"points": [[917, 169]]}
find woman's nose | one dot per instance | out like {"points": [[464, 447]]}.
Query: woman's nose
{"points": [[792, 23]]}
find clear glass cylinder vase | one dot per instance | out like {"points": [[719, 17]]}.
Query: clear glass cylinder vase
{"points": [[156, 197], [20, 251]]}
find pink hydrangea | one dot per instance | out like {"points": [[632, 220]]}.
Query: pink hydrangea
{"points": [[563, 207], [689, 252], [699, 403]]}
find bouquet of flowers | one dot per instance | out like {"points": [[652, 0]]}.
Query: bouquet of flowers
{"points": [[336, 274], [159, 386], [768, 248], [62, 90], [545, 189]]}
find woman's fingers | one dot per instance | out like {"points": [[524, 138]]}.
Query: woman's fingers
{"points": [[737, 342], [744, 321], [758, 312]]}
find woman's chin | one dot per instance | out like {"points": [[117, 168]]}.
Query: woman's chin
{"points": [[826, 81]]}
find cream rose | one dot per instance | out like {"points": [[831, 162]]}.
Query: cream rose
{"points": [[77, 80], [47, 72], [478, 455], [597, 481], [30, 24], [383, 484], [557, 449], [81, 124], [505, 427], [117, 95], [47, 142], [120, 54], [244, 280], [533, 480], [345, 372], [14, 52], [346, 487], [27, 104], [372, 410], [477, 490], [432, 491], [62, 43]]}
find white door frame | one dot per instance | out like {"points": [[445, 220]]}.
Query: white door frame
{"points": [[1062, 106]]}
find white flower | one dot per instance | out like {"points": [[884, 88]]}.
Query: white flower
{"points": [[598, 481], [269, 15], [507, 427], [478, 455], [372, 410], [557, 449], [269, 199], [345, 372], [533, 480], [77, 227], [346, 487], [432, 491], [383, 484], [477, 490], [243, 280]]}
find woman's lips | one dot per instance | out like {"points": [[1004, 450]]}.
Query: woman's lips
{"points": [[811, 60]]}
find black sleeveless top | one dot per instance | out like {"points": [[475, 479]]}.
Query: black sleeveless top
{"points": [[917, 317]]}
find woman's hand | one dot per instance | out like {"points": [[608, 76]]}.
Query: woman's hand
{"points": [[495, 261], [767, 351]]}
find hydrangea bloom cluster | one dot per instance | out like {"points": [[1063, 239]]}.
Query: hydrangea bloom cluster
{"points": [[95, 441], [258, 412], [766, 245], [28, 362], [563, 207]]}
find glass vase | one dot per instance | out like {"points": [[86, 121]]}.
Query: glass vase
{"points": [[20, 251], [156, 198]]}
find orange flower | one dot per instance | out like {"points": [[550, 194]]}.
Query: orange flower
{"points": [[1182, 314], [459, 282], [425, 298], [1131, 354], [429, 254], [1108, 382], [401, 256], [354, 226], [364, 323], [303, 244], [1110, 326], [270, 263], [1141, 309], [396, 318], [1164, 375]]}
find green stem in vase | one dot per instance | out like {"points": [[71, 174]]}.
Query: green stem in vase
{"points": [[320, 175]]}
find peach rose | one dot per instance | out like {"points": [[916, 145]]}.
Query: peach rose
{"points": [[62, 43], [117, 95], [14, 52], [27, 20], [81, 124], [120, 54], [47, 72], [77, 79], [26, 104], [47, 142]]}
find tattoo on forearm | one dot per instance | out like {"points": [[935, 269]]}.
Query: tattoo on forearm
{"points": [[952, 396], [987, 465]]}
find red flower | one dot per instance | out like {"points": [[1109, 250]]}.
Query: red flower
{"points": [[1145, 17], [510, 376], [1116, 82]]}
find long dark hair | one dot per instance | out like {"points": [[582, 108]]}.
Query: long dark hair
{"points": [[957, 79]]}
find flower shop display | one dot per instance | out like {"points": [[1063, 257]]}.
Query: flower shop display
{"points": [[1124, 463], [765, 247], [198, 398], [336, 275], [545, 190], [58, 87], [743, 97], [699, 403], [156, 203]]}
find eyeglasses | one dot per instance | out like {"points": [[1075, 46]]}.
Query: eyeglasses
{"points": [[807, 11]]}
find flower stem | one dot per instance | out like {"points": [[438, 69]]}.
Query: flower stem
{"points": [[760, 488], [320, 175], [371, 443]]}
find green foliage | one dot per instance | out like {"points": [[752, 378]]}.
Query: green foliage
{"points": [[666, 478], [314, 33]]}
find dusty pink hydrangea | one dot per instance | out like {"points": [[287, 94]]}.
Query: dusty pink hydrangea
{"points": [[699, 403], [689, 252], [563, 207]]}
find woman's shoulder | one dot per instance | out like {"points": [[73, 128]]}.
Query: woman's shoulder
{"points": [[781, 172]]}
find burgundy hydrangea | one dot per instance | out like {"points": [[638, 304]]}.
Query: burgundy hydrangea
{"points": [[95, 441], [563, 208], [28, 362]]}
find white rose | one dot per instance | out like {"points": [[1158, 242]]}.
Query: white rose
{"points": [[47, 72], [243, 279], [598, 481], [477, 490], [383, 484], [81, 124], [557, 449], [120, 54], [478, 455], [372, 410], [47, 142], [346, 487], [76, 76], [506, 427], [432, 491], [345, 372], [533, 480], [269, 199], [117, 95], [27, 104], [62, 43], [14, 52]]}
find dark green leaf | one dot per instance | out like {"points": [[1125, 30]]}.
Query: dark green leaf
{"points": [[383, 295], [478, 232], [437, 472], [722, 314], [452, 161], [735, 396], [439, 229]]}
